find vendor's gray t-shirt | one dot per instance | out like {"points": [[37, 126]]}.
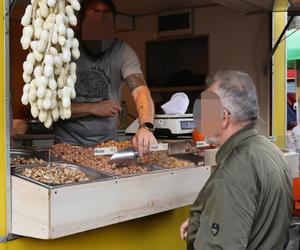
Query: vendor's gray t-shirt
{"points": [[98, 80]]}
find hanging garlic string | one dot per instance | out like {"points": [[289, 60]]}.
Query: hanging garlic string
{"points": [[48, 71]]}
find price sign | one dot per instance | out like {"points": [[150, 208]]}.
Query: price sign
{"points": [[201, 144], [105, 151], [159, 147]]}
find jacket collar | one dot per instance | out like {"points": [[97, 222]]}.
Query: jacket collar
{"points": [[235, 140]]}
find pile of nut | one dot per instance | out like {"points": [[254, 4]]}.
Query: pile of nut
{"points": [[131, 168], [120, 145], [21, 160], [54, 174], [70, 153], [191, 147], [161, 159], [84, 156]]}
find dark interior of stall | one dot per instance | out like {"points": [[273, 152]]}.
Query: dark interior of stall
{"points": [[178, 63]]}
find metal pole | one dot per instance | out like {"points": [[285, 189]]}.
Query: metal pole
{"points": [[8, 115]]}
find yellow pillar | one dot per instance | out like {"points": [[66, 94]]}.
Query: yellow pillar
{"points": [[279, 74], [3, 212]]}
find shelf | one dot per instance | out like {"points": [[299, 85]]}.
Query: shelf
{"points": [[177, 89], [30, 137]]}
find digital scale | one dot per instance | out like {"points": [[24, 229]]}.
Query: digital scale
{"points": [[168, 125]]}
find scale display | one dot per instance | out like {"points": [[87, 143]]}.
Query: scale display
{"points": [[187, 125]]}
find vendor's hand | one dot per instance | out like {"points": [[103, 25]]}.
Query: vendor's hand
{"points": [[184, 229], [142, 141], [106, 108]]}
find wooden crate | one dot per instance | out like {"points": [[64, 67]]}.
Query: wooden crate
{"points": [[52, 213]]}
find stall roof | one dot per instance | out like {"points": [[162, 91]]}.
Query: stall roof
{"points": [[144, 7], [293, 44], [247, 6], [293, 47]]}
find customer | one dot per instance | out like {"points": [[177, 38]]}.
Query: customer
{"points": [[247, 201]]}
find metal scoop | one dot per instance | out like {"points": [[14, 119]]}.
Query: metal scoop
{"points": [[124, 156], [131, 155]]}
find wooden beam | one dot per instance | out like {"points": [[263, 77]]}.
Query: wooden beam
{"points": [[295, 1], [266, 4], [238, 5]]}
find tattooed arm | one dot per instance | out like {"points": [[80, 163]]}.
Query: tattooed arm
{"points": [[141, 95], [145, 108]]}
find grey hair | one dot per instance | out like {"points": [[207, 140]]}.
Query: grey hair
{"points": [[238, 94]]}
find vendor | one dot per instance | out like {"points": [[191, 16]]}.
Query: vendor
{"points": [[105, 63]]}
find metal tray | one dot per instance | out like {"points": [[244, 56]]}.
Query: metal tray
{"points": [[285, 151], [23, 153], [44, 154], [14, 153], [194, 158], [91, 174], [151, 169]]}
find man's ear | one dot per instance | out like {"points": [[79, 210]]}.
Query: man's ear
{"points": [[226, 119]]}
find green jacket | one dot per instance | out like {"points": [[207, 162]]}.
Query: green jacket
{"points": [[247, 201]]}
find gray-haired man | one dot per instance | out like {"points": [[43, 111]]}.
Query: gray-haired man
{"points": [[247, 201]]}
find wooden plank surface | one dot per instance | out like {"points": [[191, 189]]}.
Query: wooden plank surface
{"points": [[83, 207], [30, 209], [210, 157]]}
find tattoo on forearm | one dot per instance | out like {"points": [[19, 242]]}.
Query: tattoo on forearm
{"points": [[141, 108], [141, 114], [134, 81]]}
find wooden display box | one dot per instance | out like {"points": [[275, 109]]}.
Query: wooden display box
{"points": [[44, 213]]}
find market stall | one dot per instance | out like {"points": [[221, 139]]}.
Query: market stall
{"points": [[107, 206]]}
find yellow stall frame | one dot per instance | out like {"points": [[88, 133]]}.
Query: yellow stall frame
{"points": [[3, 173], [279, 74], [156, 232]]}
